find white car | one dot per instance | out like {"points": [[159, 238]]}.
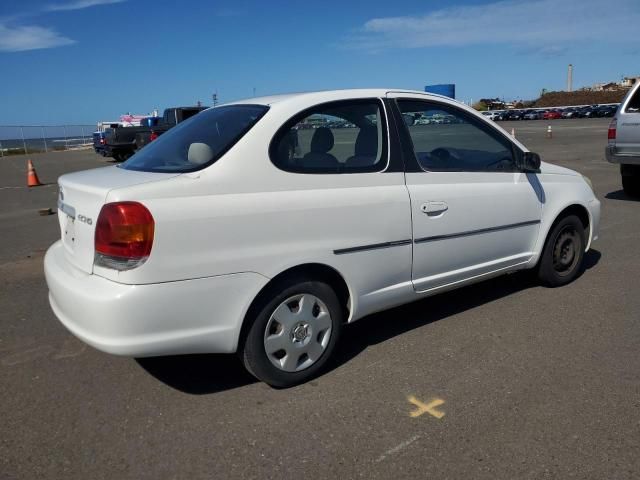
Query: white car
{"points": [[236, 231], [490, 115]]}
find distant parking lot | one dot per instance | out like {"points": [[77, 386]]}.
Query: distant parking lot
{"points": [[503, 379]]}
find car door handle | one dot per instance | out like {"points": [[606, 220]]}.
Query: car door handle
{"points": [[434, 208]]}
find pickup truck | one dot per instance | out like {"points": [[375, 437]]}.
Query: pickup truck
{"points": [[624, 141], [98, 142], [122, 142]]}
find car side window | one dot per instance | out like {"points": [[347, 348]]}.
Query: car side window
{"points": [[446, 139], [633, 106], [338, 137]]}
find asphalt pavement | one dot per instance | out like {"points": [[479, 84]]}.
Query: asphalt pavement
{"points": [[500, 380]]}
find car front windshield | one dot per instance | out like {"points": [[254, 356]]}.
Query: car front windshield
{"points": [[198, 141]]}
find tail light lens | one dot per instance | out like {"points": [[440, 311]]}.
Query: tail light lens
{"points": [[124, 235], [611, 133], [153, 136]]}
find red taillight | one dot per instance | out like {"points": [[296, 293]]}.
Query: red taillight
{"points": [[124, 235], [153, 136], [611, 133]]}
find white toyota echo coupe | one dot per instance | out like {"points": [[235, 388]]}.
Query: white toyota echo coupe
{"points": [[262, 226]]}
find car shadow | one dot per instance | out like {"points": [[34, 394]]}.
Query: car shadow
{"points": [[383, 326], [212, 373], [591, 259], [198, 374], [620, 195]]}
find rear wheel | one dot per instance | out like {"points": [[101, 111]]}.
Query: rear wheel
{"points": [[630, 179], [293, 332], [563, 252]]}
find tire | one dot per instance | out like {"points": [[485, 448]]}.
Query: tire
{"points": [[285, 343], [563, 252], [631, 184]]}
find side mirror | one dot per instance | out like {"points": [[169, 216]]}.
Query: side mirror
{"points": [[199, 153], [530, 162], [409, 120]]}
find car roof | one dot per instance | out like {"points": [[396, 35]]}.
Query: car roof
{"points": [[286, 104], [330, 95]]}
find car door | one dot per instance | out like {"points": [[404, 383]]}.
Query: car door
{"points": [[473, 212]]}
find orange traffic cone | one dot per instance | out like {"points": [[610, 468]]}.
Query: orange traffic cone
{"points": [[32, 176]]}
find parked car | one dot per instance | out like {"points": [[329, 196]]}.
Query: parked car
{"points": [[122, 142], [578, 112], [491, 115], [606, 111], [624, 141], [570, 112], [532, 115], [219, 237], [514, 115], [551, 115], [505, 115], [98, 143], [588, 112], [170, 118]]}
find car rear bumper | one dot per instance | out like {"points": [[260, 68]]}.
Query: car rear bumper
{"points": [[120, 148], [192, 316], [613, 156]]}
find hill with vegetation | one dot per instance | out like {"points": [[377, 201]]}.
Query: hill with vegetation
{"points": [[580, 97]]}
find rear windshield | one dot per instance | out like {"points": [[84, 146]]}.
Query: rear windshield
{"points": [[634, 104], [197, 142]]}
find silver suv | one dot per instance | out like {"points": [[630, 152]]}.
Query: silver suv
{"points": [[624, 141]]}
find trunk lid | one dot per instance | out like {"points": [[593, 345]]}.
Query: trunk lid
{"points": [[80, 198]]}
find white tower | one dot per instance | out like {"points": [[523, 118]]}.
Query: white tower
{"points": [[570, 78]]}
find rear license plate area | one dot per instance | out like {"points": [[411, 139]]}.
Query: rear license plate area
{"points": [[69, 231]]}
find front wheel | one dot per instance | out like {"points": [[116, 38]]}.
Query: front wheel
{"points": [[563, 252], [292, 332]]}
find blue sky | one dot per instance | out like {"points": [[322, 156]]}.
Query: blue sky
{"points": [[81, 61]]}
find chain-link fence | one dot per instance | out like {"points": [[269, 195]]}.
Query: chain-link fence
{"points": [[21, 139]]}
